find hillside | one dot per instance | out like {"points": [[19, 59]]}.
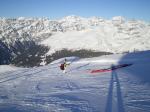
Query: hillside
{"points": [[74, 32], [47, 89], [19, 36]]}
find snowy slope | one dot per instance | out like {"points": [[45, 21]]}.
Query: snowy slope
{"points": [[6, 68], [47, 89], [74, 32]]}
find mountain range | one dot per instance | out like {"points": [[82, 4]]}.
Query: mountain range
{"points": [[116, 35]]}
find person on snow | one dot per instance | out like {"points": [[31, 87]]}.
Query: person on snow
{"points": [[64, 65]]}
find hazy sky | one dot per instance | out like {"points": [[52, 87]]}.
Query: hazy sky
{"points": [[135, 9]]}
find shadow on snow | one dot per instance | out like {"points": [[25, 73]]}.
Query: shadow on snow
{"points": [[114, 82]]}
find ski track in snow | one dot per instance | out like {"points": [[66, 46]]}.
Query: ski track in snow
{"points": [[46, 89]]}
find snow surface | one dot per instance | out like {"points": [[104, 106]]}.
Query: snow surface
{"points": [[47, 89], [7, 68]]}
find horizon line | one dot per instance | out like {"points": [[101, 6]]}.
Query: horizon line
{"points": [[57, 18]]}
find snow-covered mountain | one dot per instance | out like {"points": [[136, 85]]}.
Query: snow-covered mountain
{"points": [[73, 32]]}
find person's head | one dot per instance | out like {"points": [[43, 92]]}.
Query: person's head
{"points": [[65, 59]]}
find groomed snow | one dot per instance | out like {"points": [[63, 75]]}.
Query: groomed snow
{"points": [[47, 89], [7, 68]]}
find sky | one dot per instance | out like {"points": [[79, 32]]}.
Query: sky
{"points": [[55, 9]]}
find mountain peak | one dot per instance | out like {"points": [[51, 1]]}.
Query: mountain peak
{"points": [[71, 18], [113, 35]]}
